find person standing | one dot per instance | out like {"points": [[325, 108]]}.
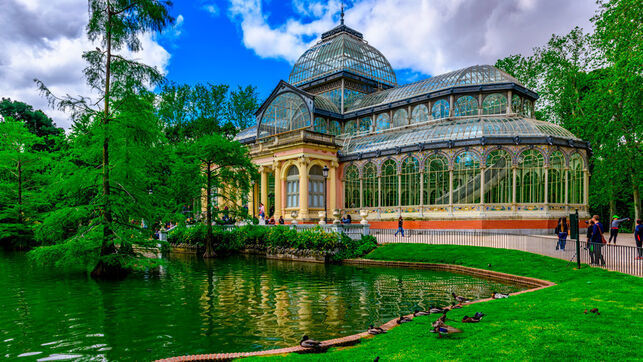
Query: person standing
{"points": [[616, 222], [400, 226], [598, 240], [262, 211], [638, 237], [562, 229], [590, 247]]}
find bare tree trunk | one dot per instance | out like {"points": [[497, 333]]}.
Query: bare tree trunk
{"points": [[209, 247], [637, 198], [20, 192]]}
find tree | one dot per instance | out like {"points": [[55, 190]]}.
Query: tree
{"points": [[121, 83], [242, 105], [226, 171], [37, 122]]}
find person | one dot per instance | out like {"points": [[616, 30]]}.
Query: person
{"points": [[590, 248], [616, 222], [597, 241], [281, 220], [400, 226], [271, 221], [561, 230], [638, 237], [262, 211]]}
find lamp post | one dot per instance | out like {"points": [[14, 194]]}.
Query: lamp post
{"points": [[325, 173]]}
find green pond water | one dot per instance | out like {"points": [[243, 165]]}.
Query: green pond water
{"points": [[191, 306]]}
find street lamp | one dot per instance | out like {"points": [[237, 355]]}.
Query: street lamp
{"points": [[325, 173]]}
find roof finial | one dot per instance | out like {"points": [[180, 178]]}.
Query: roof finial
{"points": [[342, 14]]}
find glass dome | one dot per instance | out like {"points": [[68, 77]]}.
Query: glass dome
{"points": [[286, 112], [342, 49]]}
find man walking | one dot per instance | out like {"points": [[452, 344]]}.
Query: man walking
{"points": [[597, 241], [638, 237], [400, 228], [616, 222]]}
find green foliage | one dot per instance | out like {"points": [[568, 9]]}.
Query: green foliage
{"points": [[37, 122]]}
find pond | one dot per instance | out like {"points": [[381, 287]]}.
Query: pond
{"points": [[191, 306]]}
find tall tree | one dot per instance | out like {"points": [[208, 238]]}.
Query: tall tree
{"points": [[115, 25], [37, 122], [242, 105]]}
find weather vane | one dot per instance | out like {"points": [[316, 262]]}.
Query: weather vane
{"points": [[342, 14]]}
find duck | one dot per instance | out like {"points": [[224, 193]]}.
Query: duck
{"points": [[440, 328], [459, 299], [593, 310], [375, 330], [467, 319], [420, 312], [454, 306], [496, 295], [435, 310], [479, 315], [403, 319], [309, 343]]}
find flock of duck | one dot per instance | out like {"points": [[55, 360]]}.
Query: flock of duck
{"points": [[439, 326]]}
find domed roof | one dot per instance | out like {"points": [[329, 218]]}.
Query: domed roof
{"points": [[342, 49]]}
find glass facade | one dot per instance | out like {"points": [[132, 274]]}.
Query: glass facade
{"points": [[466, 179], [383, 122], [436, 180], [316, 187], [286, 112], [576, 180], [530, 178], [420, 114], [400, 118], [495, 103], [389, 183], [440, 109], [351, 187], [410, 181], [320, 125], [556, 178], [498, 178], [465, 106], [292, 187], [370, 186]]}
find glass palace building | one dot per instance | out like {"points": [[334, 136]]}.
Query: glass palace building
{"points": [[460, 150]]}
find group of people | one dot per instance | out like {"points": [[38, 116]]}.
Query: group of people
{"points": [[271, 220]]}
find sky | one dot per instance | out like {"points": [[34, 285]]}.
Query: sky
{"points": [[254, 42]]}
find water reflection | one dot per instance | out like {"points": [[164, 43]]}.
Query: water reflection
{"points": [[232, 304]]}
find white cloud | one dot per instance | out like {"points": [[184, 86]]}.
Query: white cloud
{"points": [[45, 39], [425, 36], [213, 9]]}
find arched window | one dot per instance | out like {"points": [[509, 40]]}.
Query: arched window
{"points": [[320, 125], [334, 128], [400, 118], [495, 103], [516, 104], [351, 187], [351, 127], [498, 178], [369, 186], [556, 178], [365, 124], [389, 183], [285, 113], [316, 187], [528, 109], [465, 106], [576, 180], [466, 179], [292, 187], [530, 178], [440, 109], [436, 181], [420, 114], [383, 122], [410, 182]]}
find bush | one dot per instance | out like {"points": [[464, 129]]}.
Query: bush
{"points": [[350, 249]]}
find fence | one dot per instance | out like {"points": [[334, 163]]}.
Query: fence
{"points": [[609, 256]]}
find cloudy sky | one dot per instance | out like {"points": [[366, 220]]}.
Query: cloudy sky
{"points": [[240, 42]]}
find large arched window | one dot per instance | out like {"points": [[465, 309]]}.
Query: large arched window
{"points": [[465, 106], [383, 122], [440, 109], [556, 178], [400, 118], [466, 179], [410, 182], [334, 128], [351, 187], [495, 103], [351, 127], [516, 104], [420, 114], [370, 185], [436, 181], [316, 187], [320, 125], [285, 113], [365, 124], [389, 183], [576, 180], [530, 180], [498, 178], [292, 187]]}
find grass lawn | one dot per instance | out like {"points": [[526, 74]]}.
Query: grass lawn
{"points": [[548, 324]]}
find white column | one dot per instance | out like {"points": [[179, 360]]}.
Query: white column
{"points": [[361, 193], [422, 188], [399, 190], [566, 188], [546, 185], [513, 195], [482, 181], [509, 105]]}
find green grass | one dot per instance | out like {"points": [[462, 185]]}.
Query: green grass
{"points": [[548, 324]]}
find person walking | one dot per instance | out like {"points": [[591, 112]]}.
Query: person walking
{"points": [[616, 222], [562, 229], [590, 247], [638, 237], [597, 241], [400, 226], [262, 211]]}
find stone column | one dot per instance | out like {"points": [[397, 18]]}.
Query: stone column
{"points": [[264, 188], [509, 105], [451, 189], [361, 193], [332, 186], [278, 206], [514, 170], [422, 187], [546, 186], [482, 181], [479, 104], [399, 190], [303, 188], [586, 188]]}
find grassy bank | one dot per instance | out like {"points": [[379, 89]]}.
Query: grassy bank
{"points": [[548, 324]]}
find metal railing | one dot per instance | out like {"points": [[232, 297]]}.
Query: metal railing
{"points": [[619, 258]]}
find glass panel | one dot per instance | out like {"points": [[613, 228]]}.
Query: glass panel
{"points": [[556, 178], [530, 178], [516, 104], [466, 179], [440, 109], [528, 108], [498, 178], [410, 182], [334, 128], [576, 180], [383, 122], [320, 125], [292, 187], [465, 106], [351, 127], [389, 183], [370, 186], [286, 112], [400, 118], [316, 187], [351, 187], [495, 103], [365, 124], [436, 181], [420, 114]]}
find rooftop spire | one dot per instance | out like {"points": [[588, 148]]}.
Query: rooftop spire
{"points": [[342, 14]]}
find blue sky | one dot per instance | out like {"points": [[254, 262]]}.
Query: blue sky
{"points": [[242, 42]]}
